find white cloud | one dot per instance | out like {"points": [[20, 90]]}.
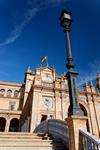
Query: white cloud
{"points": [[34, 7], [86, 77], [91, 74], [19, 28]]}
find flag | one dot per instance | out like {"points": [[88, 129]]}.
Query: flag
{"points": [[44, 58]]}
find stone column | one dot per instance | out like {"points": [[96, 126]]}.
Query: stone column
{"points": [[94, 123], [40, 107], [7, 126], [23, 127], [56, 106], [97, 117], [62, 104], [74, 124], [34, 115], [28, 123]]}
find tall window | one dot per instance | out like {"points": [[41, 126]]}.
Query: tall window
{"points": [[16, 93], [2, 92], [9, 93]]}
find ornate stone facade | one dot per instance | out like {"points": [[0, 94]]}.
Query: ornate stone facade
{"points": [[44, 94]]}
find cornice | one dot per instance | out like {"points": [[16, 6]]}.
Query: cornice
{"points": [[10, 84], [15, 112]]}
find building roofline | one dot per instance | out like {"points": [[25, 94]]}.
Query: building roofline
{"points": [[43, 67], [10, 83]]}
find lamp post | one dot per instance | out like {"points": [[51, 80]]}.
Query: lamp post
{"points": [[74, 108]]}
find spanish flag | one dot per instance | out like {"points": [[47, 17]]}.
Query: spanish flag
{"points": [[44, 58]]}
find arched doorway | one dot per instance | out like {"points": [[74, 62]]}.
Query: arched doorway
{"points": [[14, 125], [2, 124]]}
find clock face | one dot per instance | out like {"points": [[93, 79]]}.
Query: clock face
{"points": [[47, 102]]}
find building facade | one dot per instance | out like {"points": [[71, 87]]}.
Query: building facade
{"points": [[45, 94]]}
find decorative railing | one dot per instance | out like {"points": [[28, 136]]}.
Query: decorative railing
{"points": [[88, 141]]}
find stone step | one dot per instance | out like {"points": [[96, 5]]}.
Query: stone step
{"points": [[20, 135], [22, 146], [23, 140], [26, 141], [7, 142], [29, 144]]}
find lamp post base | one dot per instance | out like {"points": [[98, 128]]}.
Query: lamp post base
{"points": [[74, 124]]}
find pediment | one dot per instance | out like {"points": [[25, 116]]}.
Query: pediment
{"points": [[47, 69]]}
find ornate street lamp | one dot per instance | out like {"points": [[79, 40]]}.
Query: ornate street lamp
{"points": [[74, 108]]}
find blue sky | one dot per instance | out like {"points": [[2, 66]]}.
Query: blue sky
{"points": [[30, 29]]}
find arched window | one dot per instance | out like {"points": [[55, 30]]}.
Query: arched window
{"points": [[16, 92], [14, 125], [9, 93], [2, 124], [85, 114], [2, 92], [83, 109]]}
